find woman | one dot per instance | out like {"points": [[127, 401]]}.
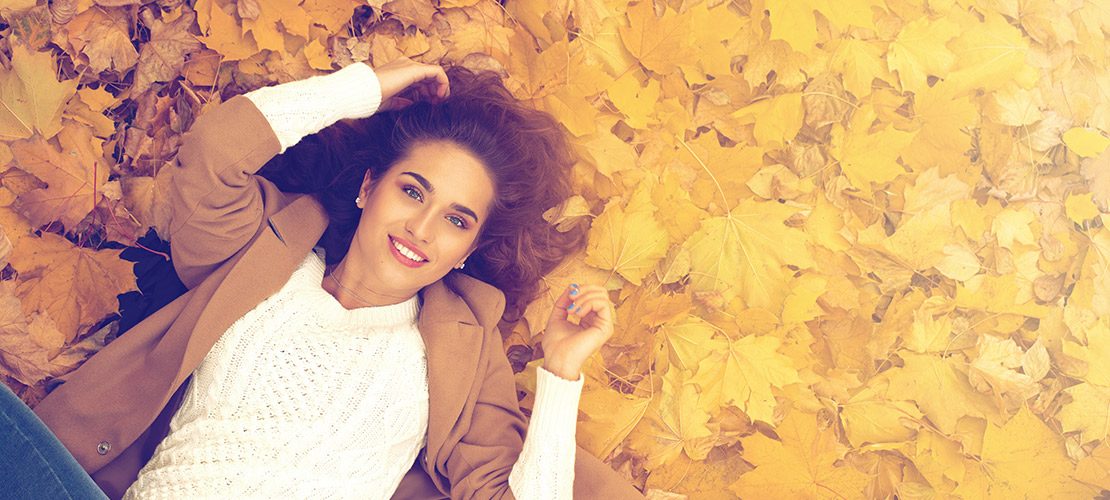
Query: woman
{"points": [[320, 353]]}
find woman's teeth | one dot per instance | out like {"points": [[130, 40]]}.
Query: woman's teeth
{"points": [[407, 253]]}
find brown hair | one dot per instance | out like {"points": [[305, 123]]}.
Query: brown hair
{"points": [[524, 152]]}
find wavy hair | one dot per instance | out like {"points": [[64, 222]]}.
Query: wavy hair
{"points": [[524, 151]]}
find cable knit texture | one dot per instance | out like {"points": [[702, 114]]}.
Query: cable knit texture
{"points": [[303, 398]]}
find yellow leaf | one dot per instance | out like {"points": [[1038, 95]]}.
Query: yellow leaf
{"points": [[223, 33], [1025, 459], [940, 390], [317, 55], [990, 54], [958, 263], [658, 42], [1095, 468], [628, 242], [1086, 142], [1080, 208], [744, 253], [636, 101], [996, 364], [793, 22], [688, 340], [867, 157], [777, 120], [752, 365], [920, 51], [31, 98], [804, 464], [675, 423], [610, 417], [1013, 225], [875, 415], [860, 62], [801, 305], [1088, 412]]}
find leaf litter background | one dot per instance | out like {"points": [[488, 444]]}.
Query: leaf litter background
{"points": [[858, 248]]}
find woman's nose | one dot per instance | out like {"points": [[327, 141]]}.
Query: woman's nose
{"points": [[419, 225]]}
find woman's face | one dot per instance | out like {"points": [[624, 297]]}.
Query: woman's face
{"points": [[429, 205]]}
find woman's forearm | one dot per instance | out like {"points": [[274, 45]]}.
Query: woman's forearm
{"points": [[303, 107], [545, 468]]}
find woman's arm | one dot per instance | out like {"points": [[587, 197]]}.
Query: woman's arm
{"points": [[545, 468], [216, 198]]}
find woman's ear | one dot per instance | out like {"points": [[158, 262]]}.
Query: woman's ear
{"points": [[364, 189]]}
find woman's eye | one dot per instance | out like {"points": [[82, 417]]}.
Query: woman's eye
{"points": [[457, 221], [412, 192]]}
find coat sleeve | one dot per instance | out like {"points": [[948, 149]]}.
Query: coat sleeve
{"points": [[216, 200]]}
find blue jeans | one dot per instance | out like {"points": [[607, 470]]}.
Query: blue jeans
{"points": [[33, 463]]}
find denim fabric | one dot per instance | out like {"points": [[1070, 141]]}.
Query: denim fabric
{"points": [[33, 463]]}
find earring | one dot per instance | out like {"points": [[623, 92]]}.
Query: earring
{"points": [[358, 200], [461, 265]]}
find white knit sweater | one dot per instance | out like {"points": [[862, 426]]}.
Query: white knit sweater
{"points": [[303, 398]]}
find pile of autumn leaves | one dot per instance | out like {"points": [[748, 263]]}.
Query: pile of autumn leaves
{"points": [[858, 248]]}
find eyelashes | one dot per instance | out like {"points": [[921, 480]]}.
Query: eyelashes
{"points": [[414, 193]]}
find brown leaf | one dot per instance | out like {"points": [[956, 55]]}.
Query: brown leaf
{"points": [[162, 58], [72, 173], [77, 287]]}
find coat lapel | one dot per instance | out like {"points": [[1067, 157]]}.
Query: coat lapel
{"points": [[451, 332], [264, 266]]}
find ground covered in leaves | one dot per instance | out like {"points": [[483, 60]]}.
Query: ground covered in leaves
{"points": [[858, 248]]}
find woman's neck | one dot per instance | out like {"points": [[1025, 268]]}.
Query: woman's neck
{"points": [[349, 293]]}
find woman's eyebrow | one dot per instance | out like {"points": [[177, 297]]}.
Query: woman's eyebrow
{"points": [[431, 189]]}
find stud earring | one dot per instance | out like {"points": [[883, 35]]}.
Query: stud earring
{"points": [[358, 200], [461, 265]]}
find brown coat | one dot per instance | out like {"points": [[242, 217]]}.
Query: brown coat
{"points": [[236, 240]]}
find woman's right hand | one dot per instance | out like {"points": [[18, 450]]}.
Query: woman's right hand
{"points": [[405, 81]]}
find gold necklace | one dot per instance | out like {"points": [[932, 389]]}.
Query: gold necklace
{"points": [[336, 280]]}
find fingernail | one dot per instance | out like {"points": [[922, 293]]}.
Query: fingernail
{"points": [[570, 307], [573, 292]]}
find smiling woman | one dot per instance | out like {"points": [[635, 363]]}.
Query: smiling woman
{"points": [[340, 336]]}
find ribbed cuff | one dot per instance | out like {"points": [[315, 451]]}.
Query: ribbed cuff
{"points": [[303, 107], [556, 408]]}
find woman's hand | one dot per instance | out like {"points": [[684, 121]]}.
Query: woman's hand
{"points": [[405, 81], [567, 346]]}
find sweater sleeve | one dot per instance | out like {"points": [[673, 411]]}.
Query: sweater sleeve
{"points": [[545, 468], [303, 107]]}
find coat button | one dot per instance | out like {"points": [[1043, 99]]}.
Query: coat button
{"points": [[103, 447]]}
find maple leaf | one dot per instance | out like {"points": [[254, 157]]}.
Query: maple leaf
{"points": [[77, 287], [162, 58], [804, 463], [627, 240], [744, 253], [940, 389], [31, 347], [610, 417], [73, 174], [867, 157], [1088, 411], [658, 43], [1023, 458], [675, 423], [222, 32], [920, 51], [103, 36], [744, 374], [31, 98]]}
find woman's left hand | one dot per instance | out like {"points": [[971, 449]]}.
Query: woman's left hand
{"points": [[567, 346]]}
